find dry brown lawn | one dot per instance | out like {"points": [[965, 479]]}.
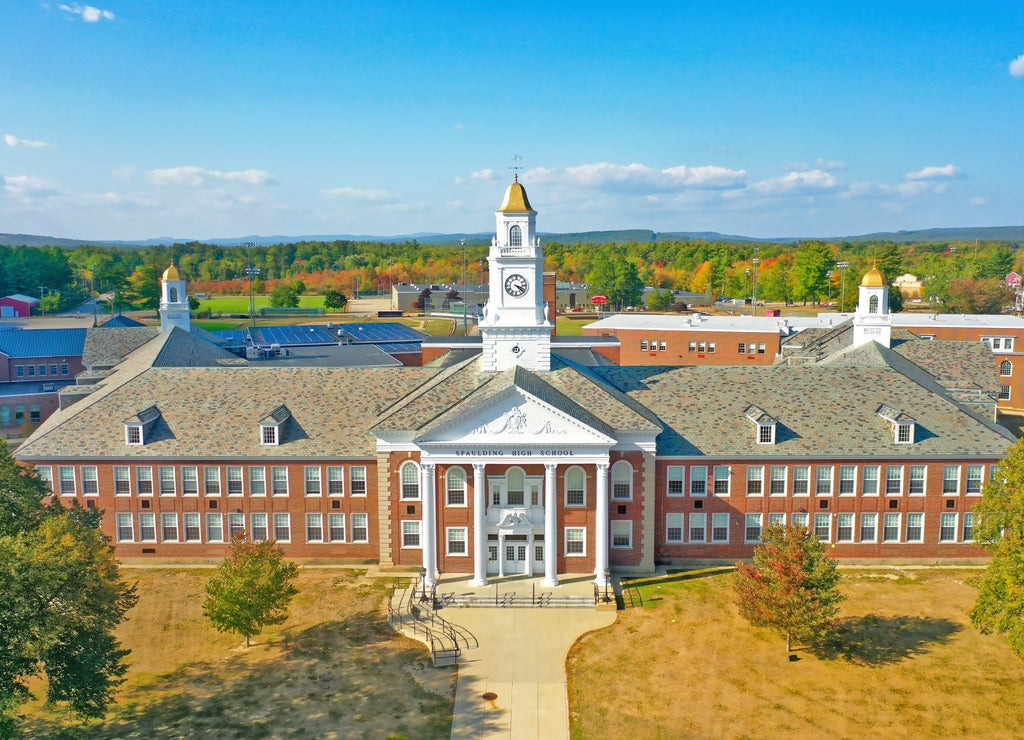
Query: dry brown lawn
{"points": [[335, 669], [907, 665]]}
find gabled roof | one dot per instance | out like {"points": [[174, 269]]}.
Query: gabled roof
{"points": [[120, 320], [25, 343], [22, 298]]}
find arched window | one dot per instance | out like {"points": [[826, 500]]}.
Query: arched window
{"points": [[622, 480], [456, 486], [410, 480], [873, 304], [515, 481], [515, 237], [575, 487], [1006, 368], [172, 295]]}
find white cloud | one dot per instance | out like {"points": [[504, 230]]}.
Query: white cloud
{"points": [[194, 177], [1017, 66], [25, 143], [124, 173], [89, 13], [638, 178], [25, 186], [358, 195], [830, 165], [934, 173], [486, 175], [811, 181]]}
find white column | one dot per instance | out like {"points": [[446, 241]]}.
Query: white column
{"points": [[550, 526], [479, 526], [501, 555], [603, 525], [428, 527]]}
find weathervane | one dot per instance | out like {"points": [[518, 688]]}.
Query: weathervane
{"points": [[516, 166]]}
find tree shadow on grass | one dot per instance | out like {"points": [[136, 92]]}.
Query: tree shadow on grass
{"points": [[677, 576], [874, 640]]}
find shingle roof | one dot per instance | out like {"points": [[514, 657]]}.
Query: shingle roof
{"points": [[108, 345], [120, 321], [24, 343]]}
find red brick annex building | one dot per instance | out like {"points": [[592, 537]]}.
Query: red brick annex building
{"points": [[523, 453]]}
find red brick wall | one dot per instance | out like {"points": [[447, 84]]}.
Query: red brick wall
{"points": [[677, 347]]}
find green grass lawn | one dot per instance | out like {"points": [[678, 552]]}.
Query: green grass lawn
{"points": [[232, 304]]}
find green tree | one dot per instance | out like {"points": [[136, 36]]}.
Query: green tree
{"points": [[999, 529], [284, 296], [618, 279], [335, 300], [51, 303], [791, 587], [63, 597], [250, 589], [811, 264], [986, 296], [143, 287], [660, 300]]}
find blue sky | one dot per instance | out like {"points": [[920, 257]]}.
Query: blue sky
{"points": [[220, 119]]}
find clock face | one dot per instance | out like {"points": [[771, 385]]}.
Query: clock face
{"points": [[516, 285]]}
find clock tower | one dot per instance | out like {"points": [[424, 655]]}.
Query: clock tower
{"points": [[515, 328]]}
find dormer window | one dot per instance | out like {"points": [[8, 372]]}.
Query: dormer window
{"points": [[904, 433], [903, 424], [764, 423], [766, 434], [271, 426], [269, 434], [133, 434], [138, 427]]}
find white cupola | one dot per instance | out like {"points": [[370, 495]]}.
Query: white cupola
{"points": [[872, 321], [174, 309]]}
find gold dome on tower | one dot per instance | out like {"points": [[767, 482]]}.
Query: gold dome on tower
{"points": [[873, 278], [171, 273], [515, 199]]}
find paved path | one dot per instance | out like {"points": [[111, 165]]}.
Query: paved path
{"points": [[521, 659]]}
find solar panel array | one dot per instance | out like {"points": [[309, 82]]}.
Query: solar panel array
{"points": [[390, 337]]}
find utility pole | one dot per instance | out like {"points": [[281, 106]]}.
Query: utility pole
{"points": [[465, 305], [250, 271], [842, 266]]}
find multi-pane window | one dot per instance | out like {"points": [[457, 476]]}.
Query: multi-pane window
{"points": [[66, 473], [268, 434], [360, 528], [575, 490], [575, 541], [1004, 393], [777, 485], [455, 487], [755, 480], [893, 480], [357, 480], [915, 527], [823, 526], [765, 434], [211, 481], [169, 527], [125, 528], [457, 540], [951, 479], [674, 527], [257, 481], [335, 481], [844, 527], [35, 414], [676, 475], [214, 528], [752, 530], [916, 480], [643, 345], [800, 519], [279, 480], [122, 480], [721, 480], [410, 534], [870, 485], [282, 527], [698, 527], [622, 534], [133, 434], [90, 480], [890, 527], [947, 527], [410, 481], [698, 480], [236, 525], [147, 527], [190, 481], [969, 527], [847, 480], [904, 433], [144, 480], [193, 531], [45, 473], [168, 487], [258, 523], [1000, 344], [313, 480], [314, 527], [868, 527], [516, 485], [622, 481], [975, 476], [823, 483], [777, 517], [336, 527], [720, 527], [801, 480], [1006, 368], [234, 475]]}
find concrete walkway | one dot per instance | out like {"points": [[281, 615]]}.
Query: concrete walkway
{"points": [[521, 659]]}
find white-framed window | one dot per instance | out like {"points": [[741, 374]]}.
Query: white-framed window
{"points": [[823, 526], [1004, 393], [335, 480], [411, 534], [360, 528], [904, 432], [515, 236], [893, 480], [951, 480], [357, 480], [868, 527], [847, 480], [643, 345], [801, 480], [915, 526], [410, 474], [575, 486], [457, 538], [844, 527], [125, 528], [890, 527], [720, 527], [663, 346], [721, 480], [674, 527], [314, 527], [214, 528], [122, 480], [147, 527], [66, 474], [999, 344], [211, 480], [777, 517], [575, 541], [622, 534], [777, 482], [193, 527], [313, 481], [752, 530], [189, 480], [45, 474], [165, 476], [515, 486], [698, 527], [282, 527], [90, 481], [766, 434], [1005, 368], [755, 480], [236, 525], [916, 480], [268, 435], [975, 479], [675, 476], [947, 527], [257, 481], [279, 481], [234, 476], [133, 434], [455, 487], [870, 484], [260, 525], [799, 519], [169, 526], [144, 480], [699, 480], [622, 481], [969, 527], [823, 482], [336, 527]]}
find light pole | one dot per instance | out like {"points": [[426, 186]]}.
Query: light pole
{"points": [[746, 284], [465, 315], [250, 271], [841, 266], [828, 277], [753, 302]]}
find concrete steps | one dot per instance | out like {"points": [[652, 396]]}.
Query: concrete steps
{"points": [[513, 600]]}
